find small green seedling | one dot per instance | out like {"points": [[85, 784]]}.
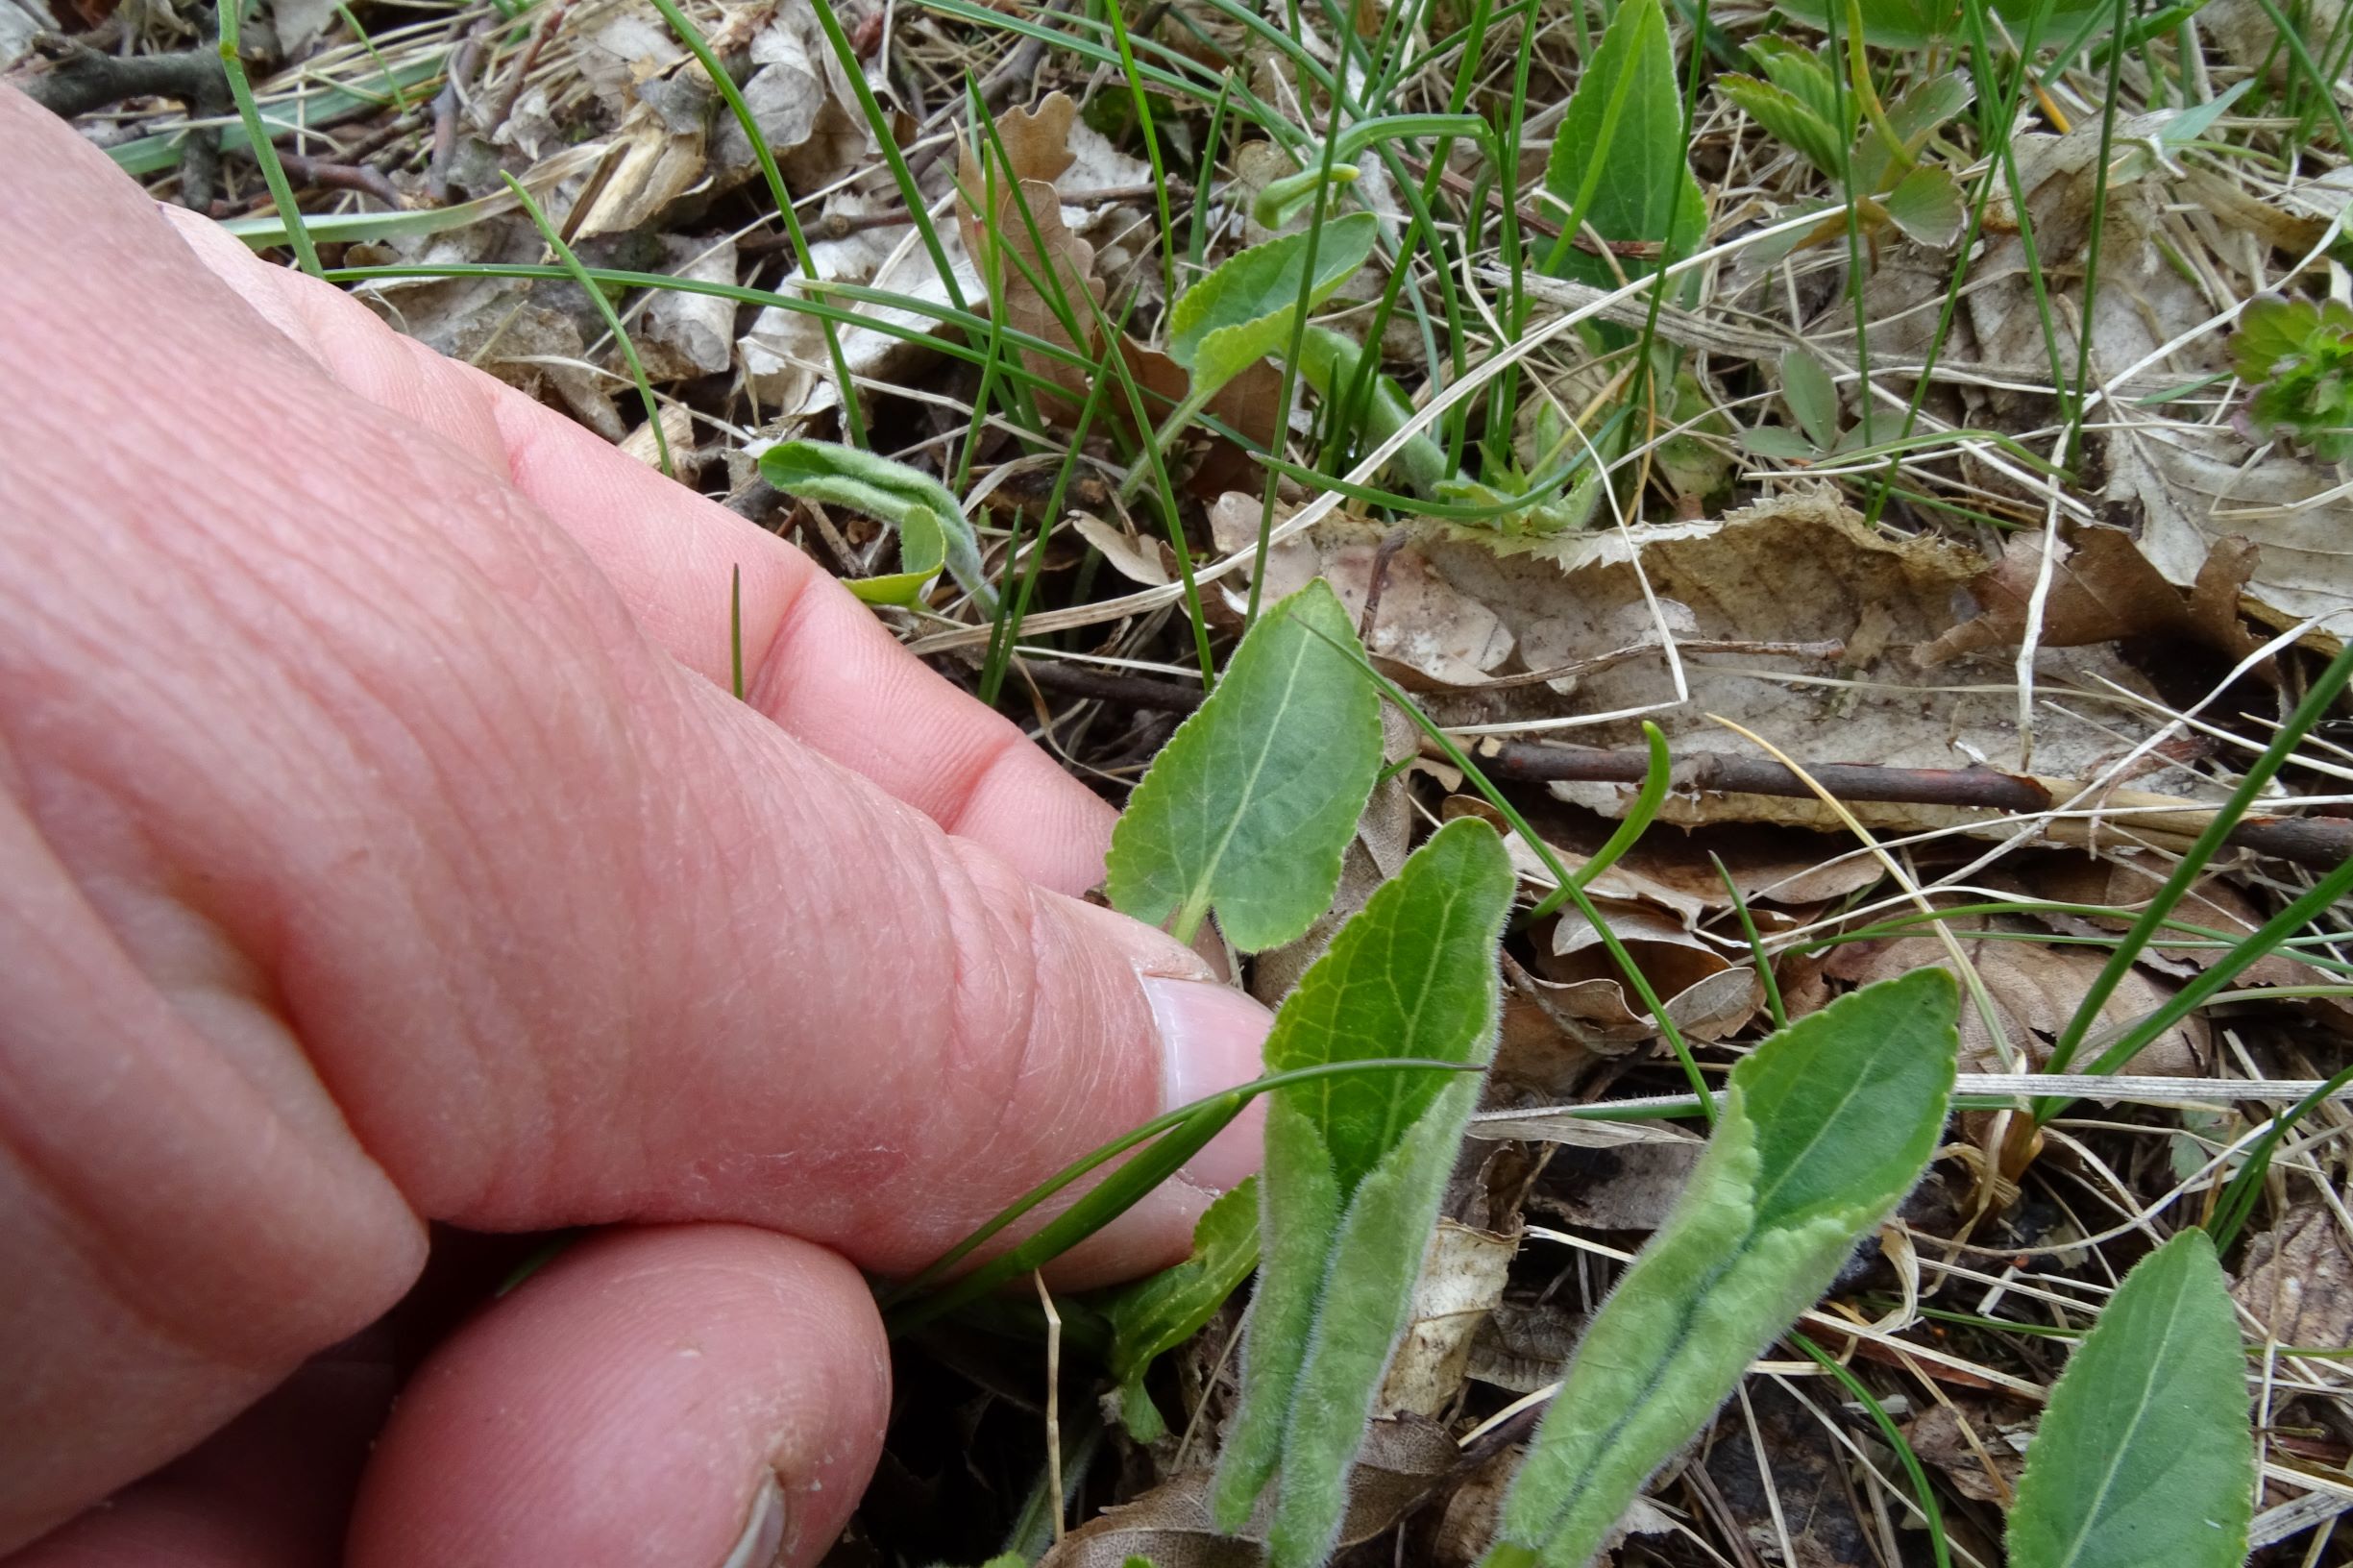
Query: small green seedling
{"points": [[1824, 1127], [2298, 356], [1811, 398], [932, 530], [1800, 102], [1355, 1169], [1249, 808], [2146, 1454]]}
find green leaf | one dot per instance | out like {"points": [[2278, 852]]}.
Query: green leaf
{"points": [[1927, 205], [1915, 24], [2304, 353], [1330, 363], [1789, 120], [1914, 117], [1157, 1314], [1825, 1126], [1355, 1169], [1249, 807], [2146, 1454], [932, 530], [1618, 162], [1781, 443], [1243, 311], [1811, 395], [1802, 74]]}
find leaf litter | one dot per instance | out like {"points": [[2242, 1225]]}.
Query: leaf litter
{"points": [[2031, 607]]}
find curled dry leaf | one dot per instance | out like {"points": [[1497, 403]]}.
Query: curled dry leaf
{"points": [[1403, 1460], [1784, 576], [681, 334], [2102, 589], [1706, 992], [2297, 1280], [2034, 988], [1462, 1278], [1424, 628], [1038, 273], [1985, 1470]]}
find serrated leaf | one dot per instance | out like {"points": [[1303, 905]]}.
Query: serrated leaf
{"points": [[932, 530], [1811, 395], [1159, 1314], [1927, 205], [1618, 160], [1249, 808], [1826, 1125], [1355, 1169], [1244, 311], [1786, 117], [1803, 76], [2146, 1454]]}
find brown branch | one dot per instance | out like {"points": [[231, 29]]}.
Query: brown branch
{"points": [[318, 171], [2323, 842], [445, 105], [82, 79]]}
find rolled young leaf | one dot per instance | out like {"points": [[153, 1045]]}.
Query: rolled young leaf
{"points": [[932, 530], [1824, 1127], [1249, 807], [1355, 1169], [2146, 1454]]}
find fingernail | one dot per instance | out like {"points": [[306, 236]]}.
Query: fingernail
{"points": [[762, 1543], [1210, 1037]]}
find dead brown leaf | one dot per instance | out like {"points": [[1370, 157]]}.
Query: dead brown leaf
{"points": [[2101, 589], [1462, 1278], [1404, 1461], [2297, 1281], [2000, 1431], [2035, 989]]}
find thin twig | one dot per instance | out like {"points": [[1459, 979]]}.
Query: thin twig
{"points": [[2320, 842], [318, 171]]}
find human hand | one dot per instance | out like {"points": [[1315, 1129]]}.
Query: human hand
{"points": [[379, 846]]}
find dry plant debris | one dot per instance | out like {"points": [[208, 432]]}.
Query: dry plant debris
{"points": [[2009, 502]]}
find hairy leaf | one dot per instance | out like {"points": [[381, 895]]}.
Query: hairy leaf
{"points": [[1355, 1169], [1249, 807], [2146, 1454], [932, 530], [1244, 311], [1824, 1127], [1618, 160], [1161, 1312]]}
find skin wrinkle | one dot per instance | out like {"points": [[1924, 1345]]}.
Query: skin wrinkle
{"points": [[567, 933]]}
